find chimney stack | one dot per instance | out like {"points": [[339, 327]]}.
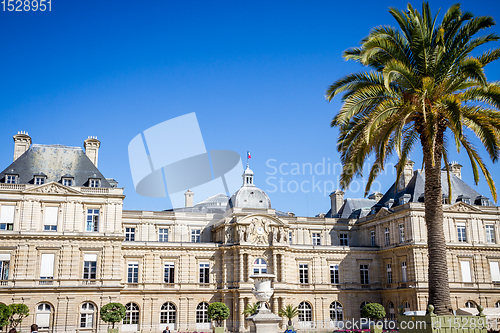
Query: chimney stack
{"points": [[91, 146], [337, 200], [189, 198], [376, 196], [455, 168], [406, 175], [22, 142]]}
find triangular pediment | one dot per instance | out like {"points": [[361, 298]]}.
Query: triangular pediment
{"points": [[272, 220], [462, 207], [52, 188], [383, 212]]}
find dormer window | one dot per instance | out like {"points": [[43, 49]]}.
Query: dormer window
{"points": [[67, 180], [404, 199], [11, 179], [482, 201], [39, 179], [445, 199], [94, 182], [464, 199]]}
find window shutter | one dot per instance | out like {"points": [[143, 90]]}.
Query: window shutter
{"points": [[7, 214], [47, 266], [51, 215], [466, 277], [495, 271]]}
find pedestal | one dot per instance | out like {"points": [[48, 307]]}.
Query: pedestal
{"points": [[264, 322]]}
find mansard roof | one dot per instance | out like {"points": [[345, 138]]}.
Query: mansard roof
{"points": [[416, 186], [353, 208], [55, 161]]}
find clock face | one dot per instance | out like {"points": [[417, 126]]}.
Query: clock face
{"points": [[260, 230]]}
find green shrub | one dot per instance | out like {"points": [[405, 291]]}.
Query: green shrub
{"points": [[373, 311], [218, 312], [113, 313]]}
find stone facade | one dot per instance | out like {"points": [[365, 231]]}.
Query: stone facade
{"points": [[68, 250]]}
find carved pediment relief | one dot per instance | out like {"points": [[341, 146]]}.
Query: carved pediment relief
{"points": [[52, 188], [383, 212], [462, 207], [261, 230]]}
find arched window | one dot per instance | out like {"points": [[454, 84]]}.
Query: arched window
{"points": [[497, 304], [336, 312], [392, 313], [132, 314], [260, 266], [406, 306], [87, 315], [201, 313], [43, 312], [363, 305], [471, 304], [305, 311], [168, 313]]}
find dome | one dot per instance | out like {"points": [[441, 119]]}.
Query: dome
{"points": [[249, 197]]}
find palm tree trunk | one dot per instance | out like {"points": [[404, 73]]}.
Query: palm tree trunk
{"points": [[439, 289]]}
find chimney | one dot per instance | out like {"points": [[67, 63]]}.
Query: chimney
{"points": [[376, 196], [189, 198], [91, 146], [406, 175], [337, 200], [455, 169], [22, 142]]}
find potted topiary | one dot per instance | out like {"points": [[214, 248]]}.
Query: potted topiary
{"points": [[374, 311], [289, 312], [113, 313], [218, 312]]}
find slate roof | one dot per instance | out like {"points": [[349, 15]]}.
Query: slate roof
{"points": [[416, 186], [353, 209], [55, 161]]}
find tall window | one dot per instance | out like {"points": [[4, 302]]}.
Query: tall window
{"points": [[344, 241], [389, 273], [497, 304], [50, 218], [43, 312], [7, 217], [387, 237], [168, 313], [372, 238], [168, 275], [305, 311], [363, 272], [260, 266], [363, 305], [129, 234], [316, 238], [392, 313], [304, 273], [89, 266], [163, 235], [133, 272], [11, 179], [87, 315], [401, 233], [334, 274], [336, 312], [461, 232], [465, 266], [4, 266], [490, 234], [47, 266], [406, 306], [131, 314], [92, 220], [470, 305], [204, 272], [403, 272], [39, 180], [67, 181], [202, 313], [195, 236], [495, 271], [290, 237]]}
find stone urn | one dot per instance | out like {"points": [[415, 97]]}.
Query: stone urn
{"points": [[264, 321]]}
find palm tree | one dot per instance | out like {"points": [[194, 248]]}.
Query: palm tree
{"points": [[250, 309], [289, 312], [423, 80]]}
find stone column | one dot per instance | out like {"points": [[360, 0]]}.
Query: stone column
{"points": [[241, 304], [182, 314], [241, 267]]}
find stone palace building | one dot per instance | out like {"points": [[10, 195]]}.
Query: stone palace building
{"points": [[67, 247]]}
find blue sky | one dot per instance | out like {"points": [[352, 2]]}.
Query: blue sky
{"points": [[254, 72]]}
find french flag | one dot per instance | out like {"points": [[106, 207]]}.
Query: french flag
{"points": [[248, 155]]}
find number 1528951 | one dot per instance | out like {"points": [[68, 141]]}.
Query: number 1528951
{"points": [[26, 5]]}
